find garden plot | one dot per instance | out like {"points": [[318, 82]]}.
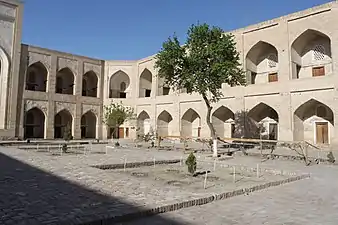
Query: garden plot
{"points": [[210, 177]]}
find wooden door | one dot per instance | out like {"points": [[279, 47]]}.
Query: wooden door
{"points": [[318, 71], [121, 132], [322, 133], [273, 77]]}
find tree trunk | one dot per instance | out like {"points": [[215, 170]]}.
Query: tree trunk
{"points": [[211, 127]]}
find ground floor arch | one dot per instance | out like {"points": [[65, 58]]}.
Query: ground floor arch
{"points": [[34, 124], [164, 121], [191, 124], [88, 125], [143, 123], [266, 119], [62, 120], [313, 121], [223, 122]]}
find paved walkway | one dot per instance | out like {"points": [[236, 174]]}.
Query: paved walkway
{"points": [[39, 188]]}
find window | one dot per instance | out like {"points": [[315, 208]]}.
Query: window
{"points": [[273, 77], [272, 60], [318, 52], [318, 71]]}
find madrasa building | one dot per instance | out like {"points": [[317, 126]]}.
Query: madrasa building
{"points": [[291, 66]]}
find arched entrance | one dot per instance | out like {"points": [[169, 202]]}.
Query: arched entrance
{"points": [[191, 124], [311, 55], [223, 122], [119, 85], [34, 126], [64, 81], [36, 77], [88, 125], [163, 123], [262, 63], [61, 121], [313, 122], [89, 84], [143, 121], [267, 119], [145, 83]]}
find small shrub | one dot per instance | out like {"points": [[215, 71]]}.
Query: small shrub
{"points": [[191, 163], [331, 158], [64, 148], [117, 144]]}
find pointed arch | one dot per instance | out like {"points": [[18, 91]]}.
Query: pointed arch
{"points": [[34, 125], [145, 83], [61, 120], [89, 84], [191, 124], [313, 122], [65, 81], [118, 79], [223, 122], [36, 77], [88, 125], [262, 63], [164, 121], [144, 125], [310, 50], [267, 117]]}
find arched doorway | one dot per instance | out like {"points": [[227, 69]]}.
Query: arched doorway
{"points": [[88, 125], [267, 119], [163, 123], [311, 55], [145, 83], [62, 120], [89, 84], [262, 63], [64, 81], [119, 85], [34, 126], [36, 77], [191, 124], [313, 122], [143, 121], [223, 122]]}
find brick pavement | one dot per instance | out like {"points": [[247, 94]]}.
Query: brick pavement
{"points": [[30, 179]]}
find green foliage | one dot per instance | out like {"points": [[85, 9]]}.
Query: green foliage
{"points": [[191, 163], [116, 114], [331, 158], [207, 59], [67, 133], [245, 127]]}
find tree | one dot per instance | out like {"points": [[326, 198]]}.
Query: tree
{"points": [[116, 114], [191, 163], [206, 60], [246, 127]]}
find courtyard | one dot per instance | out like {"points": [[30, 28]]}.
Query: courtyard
{"points": [[112, 184]]}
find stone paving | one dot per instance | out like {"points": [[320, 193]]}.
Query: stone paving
{"points": [[39, 188], [313, 201]]}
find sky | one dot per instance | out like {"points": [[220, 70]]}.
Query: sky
{"points": [[134, 29]]}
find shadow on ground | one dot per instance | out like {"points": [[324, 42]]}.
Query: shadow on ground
{"points": [[29, 195]]}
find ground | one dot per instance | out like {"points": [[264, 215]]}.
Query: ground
{"points": [[41, 188]]}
